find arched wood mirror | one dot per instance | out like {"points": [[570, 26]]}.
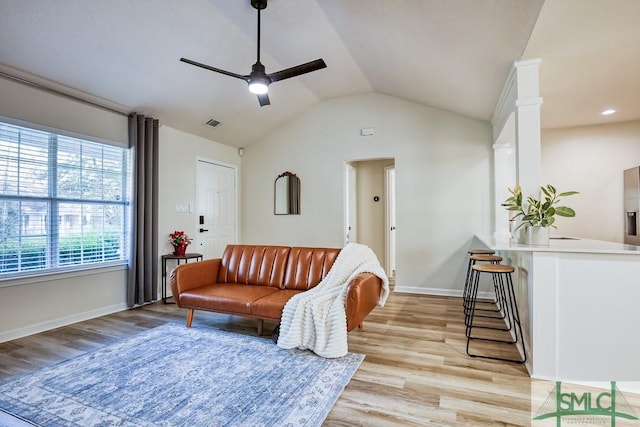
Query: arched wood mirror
{"points": [[287, 194]]}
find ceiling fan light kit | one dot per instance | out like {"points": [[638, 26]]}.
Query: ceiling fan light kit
{"points": [[258, 87], [258, 80]]}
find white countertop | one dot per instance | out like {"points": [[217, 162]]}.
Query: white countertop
{"points": [[565, 244]]}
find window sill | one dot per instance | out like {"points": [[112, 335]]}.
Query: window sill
{"points": [[62, 274]]}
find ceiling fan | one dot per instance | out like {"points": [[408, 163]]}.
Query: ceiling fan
{"points": [[258, 79]]}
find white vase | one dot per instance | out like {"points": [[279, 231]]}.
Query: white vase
{"points": [[538, 236]]}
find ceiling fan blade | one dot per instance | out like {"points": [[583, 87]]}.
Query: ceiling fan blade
{"points": [[264, 99], [318, 64], [217, 70]]}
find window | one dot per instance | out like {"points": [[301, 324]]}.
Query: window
{"points": [[64, 202]]}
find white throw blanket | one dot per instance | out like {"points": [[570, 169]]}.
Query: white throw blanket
{"points": [[316, 319]]}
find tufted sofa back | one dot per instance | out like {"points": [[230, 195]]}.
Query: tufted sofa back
{"points": [[253, 265], [306, 267], [278, 266]]}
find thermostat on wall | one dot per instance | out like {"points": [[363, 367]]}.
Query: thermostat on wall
{"points": [[366, 131]]}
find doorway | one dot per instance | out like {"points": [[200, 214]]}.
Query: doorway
{"points": [[216, 207], [350, 211], [390, 219], [370, 207]]}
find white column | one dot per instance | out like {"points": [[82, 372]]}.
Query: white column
{"points": [[528, 151], [516, 130]]}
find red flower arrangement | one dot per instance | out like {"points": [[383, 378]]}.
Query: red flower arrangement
{"points": [[180, 240]]}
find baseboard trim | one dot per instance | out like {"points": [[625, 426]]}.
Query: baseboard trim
{"points": [[437, 291], [59, 322]]}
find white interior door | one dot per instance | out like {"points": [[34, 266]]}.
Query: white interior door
{"points": [[350, 232], [390, 234], [216, 208]]}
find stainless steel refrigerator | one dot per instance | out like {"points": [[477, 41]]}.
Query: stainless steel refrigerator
{"points": [[631, 205]]}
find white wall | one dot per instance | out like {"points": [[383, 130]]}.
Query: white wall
{"points": [[591, 160], [29, 104], [179, 152], [39, 304], [31, 305], [443, 176]]}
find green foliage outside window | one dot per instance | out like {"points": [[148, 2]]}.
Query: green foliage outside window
{"points": [[74, 250]]}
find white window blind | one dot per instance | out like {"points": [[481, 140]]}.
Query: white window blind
{"points": [[64, 202]]}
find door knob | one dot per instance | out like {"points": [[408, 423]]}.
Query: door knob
{"points": [[202, 230]]}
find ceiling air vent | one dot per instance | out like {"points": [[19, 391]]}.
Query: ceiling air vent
{"points": [[212, 123]]}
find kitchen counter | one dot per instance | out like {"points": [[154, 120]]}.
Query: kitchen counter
{"points": [[563, 244], [578, 302]]}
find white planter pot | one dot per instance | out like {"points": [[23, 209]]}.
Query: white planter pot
{"points": [[538, 236]]}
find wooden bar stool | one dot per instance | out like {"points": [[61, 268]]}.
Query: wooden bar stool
{"points": [[501, 308], [501, 275], [466, 303], [481, 252], [471, 253]]}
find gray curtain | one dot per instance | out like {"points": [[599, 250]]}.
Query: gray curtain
{"points": [[143, 264]]}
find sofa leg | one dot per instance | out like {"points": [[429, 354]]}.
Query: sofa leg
{"points": [[260, 327], [361, 325], [189, 317]]}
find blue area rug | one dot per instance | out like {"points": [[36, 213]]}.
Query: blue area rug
{"points": [[178, 376]]}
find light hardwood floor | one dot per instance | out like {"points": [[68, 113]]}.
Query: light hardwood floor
{"points": [[415, 373]]}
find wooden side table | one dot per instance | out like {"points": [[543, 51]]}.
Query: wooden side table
{"points": [[186, 257]]}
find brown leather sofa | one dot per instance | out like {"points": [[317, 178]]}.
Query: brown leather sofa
{"points": [[257, 281]]}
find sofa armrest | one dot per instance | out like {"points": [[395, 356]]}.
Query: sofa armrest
{"points": [[193, 275], [362, 297]]}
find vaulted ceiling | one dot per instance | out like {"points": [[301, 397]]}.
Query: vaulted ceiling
{"points": [[449, 54]]}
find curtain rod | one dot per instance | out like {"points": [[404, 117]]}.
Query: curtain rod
{"points": [[56, 92]]}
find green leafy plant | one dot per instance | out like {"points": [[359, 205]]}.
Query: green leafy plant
{"points": [[539, 212]]}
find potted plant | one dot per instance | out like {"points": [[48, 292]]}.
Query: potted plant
{"points": [[179, 240], [538, 214]]}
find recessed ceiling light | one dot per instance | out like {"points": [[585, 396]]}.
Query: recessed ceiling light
{"points": [[608, 112]]}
